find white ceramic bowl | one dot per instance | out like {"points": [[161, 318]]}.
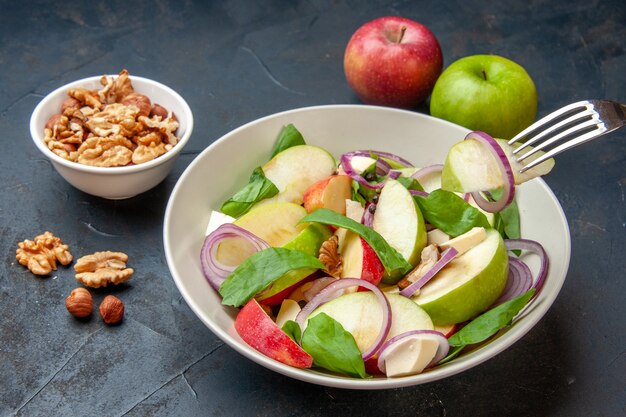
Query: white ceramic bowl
{"points": [[114, 182], [423, 140]]}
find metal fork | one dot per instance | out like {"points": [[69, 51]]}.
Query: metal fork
{"points": [[578, 123]]}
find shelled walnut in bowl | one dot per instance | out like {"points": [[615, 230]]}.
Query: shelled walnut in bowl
{"points": [[112, 136]]}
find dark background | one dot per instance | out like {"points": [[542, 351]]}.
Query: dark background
{"points": [[235, 61]]}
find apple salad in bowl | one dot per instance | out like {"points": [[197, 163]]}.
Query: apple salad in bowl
{"points": [[362, 264]]}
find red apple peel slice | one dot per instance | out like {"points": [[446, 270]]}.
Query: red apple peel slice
{"points": [[259, 331]]}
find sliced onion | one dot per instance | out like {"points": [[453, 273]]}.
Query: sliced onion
{"points": [[332, 291], [536, 247], [505, 168], [214, 271], [446, 256], [316, 286], [349, 170], [466, 197], [382, 167], [519, 281], [422, 173], [368, 216], [387, 155], [418, 192], [442, 350]]}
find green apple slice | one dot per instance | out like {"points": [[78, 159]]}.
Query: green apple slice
{"points": [[276, 223], [295, 169], [360, 313], [399, 221], [470, 166], [469, 284]]}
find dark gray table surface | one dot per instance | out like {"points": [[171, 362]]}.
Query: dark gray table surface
{"points": [[235, 61]]}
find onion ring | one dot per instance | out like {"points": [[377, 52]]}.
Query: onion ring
{"points": [[214, 271], [519, 281], [536, 247]]}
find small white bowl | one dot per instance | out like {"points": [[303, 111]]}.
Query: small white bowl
{"points": [[221, 169], [114, 182]]}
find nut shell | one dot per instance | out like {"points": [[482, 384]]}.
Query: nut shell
{"points": [[112, 309], [79, 303]]}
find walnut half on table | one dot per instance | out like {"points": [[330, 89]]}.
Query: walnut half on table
{"points": [[41, 254], [101, 268]]}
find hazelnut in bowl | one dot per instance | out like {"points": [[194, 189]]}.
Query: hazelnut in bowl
{"points": [[112, 136]]}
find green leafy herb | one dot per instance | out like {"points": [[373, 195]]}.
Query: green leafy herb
{"points": [[410, 183], [260, 270], [289, 136], [507, 220], [292, 329], [332, 347], [488, 323], [257, 189], [450, 213], [356, 194], [391, 259]]}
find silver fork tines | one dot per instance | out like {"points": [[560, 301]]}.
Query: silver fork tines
{"points": [[578, 122]]}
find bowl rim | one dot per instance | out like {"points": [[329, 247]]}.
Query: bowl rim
{"points": [[37, 134], [471, 360]]}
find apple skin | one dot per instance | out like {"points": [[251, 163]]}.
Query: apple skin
{"points": [[360, 260], [259, 331], [393, 61], [330, 192], [488, 93]]}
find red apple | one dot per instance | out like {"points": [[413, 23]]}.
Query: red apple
{"points": [[259, 331], [447, 329], [360, 260], [330, 193], [393, 61]]}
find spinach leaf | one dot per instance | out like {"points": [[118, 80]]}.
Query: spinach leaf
{"points": [[292, 329], [260, 270], [332, 347], [488, 323], [391, 259], [410, 183], [508, 220], [289, 136], [356, 194], [450, 213], [257, 189]]}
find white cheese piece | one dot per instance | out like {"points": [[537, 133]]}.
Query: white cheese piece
{"points": [[289, 309], [216, 220], [466, 241], [354, 210], [361, 163], [410, 356], [436, 236]]}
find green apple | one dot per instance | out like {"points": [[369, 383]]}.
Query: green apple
{"points": [[360, 313], [470, 166], [295, 169], [399, 221], [488, 93], [276, 222], [469, 284]]}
